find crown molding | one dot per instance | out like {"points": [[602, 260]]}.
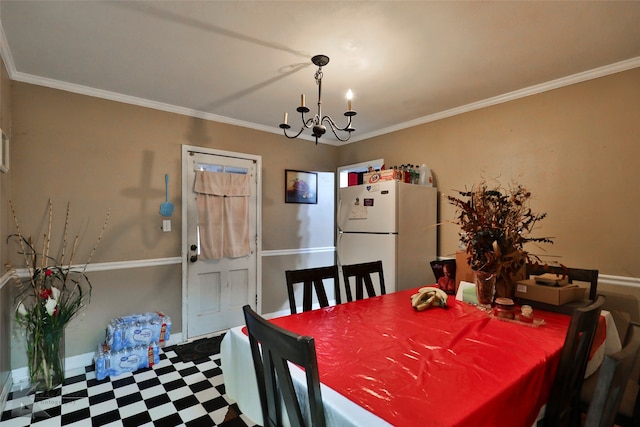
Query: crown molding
{"points": [[510, 96], [5, 52]]}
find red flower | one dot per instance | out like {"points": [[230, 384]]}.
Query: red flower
{"points": [[48, 273], [46, 293]]}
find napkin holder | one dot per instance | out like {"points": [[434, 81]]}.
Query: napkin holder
{"points": [[467, 292]]}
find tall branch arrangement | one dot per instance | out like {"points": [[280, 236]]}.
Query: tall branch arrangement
{"points": [[496, 223], [52, 294]]}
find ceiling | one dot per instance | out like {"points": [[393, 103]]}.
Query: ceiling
{"points": [[247, 62]]}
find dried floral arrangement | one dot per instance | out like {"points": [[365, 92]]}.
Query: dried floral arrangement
{"points": [[496, 223], [51, 294]]}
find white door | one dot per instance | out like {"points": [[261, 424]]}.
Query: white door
{"points": [[214, 291]]}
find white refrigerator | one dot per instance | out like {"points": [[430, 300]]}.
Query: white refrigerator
{"points": [[393, 222]]}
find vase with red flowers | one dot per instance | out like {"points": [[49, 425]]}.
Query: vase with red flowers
{"points": [[51, 292]]}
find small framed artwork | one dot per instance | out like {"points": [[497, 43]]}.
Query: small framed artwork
{"points": [[300, 187], [4, 153]]}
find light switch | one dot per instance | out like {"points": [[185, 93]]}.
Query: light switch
{"points": [[166, 225]]}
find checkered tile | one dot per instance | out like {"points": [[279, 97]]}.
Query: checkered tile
{"points": [[172, 393]]}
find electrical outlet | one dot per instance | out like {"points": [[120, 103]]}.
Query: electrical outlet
{"points": [[166, 225]]}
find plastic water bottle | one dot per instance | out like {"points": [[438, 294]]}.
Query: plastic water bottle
{"points": [[426, 178]]}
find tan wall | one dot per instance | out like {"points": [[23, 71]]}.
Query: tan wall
{"points": [[577, 148], [100, 155]]}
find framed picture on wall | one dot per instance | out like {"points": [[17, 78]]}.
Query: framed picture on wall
{"points": [[4, 153], [300, 187]]}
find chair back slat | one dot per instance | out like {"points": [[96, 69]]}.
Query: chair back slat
{"points": [[612, 380], [362, 274], [312, 279]]}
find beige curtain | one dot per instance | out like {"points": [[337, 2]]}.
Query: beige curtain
{"points": [[223, 214]]}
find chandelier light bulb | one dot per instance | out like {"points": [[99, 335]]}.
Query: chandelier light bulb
{"points": [[349, 98]]}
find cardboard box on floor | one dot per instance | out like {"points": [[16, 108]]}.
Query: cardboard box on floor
{"points": [[554, 295]]}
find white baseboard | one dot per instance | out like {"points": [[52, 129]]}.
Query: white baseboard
{"points": [[20, 376], [287, 311]]}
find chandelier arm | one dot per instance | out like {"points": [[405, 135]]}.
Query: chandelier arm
{"points": [[338, 136], [296, 135], [308, 124], [335, 127]]}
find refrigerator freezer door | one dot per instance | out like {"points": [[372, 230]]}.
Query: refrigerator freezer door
{"points": [[356, 248], [369, 208]]}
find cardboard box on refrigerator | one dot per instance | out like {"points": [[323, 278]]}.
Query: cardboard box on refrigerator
{"points": [[383, 175], [554, 295]]}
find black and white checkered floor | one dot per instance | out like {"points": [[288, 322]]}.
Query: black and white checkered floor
{"points": [[172, 393]]}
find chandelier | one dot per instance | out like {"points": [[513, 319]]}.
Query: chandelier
{"points": [[317, 122]]}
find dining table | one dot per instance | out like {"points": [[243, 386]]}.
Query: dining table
{"points": [[383, 363]]}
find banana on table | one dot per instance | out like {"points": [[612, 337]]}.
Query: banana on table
{"points": [[429, 296]]}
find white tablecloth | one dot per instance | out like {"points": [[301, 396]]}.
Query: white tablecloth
{"points": [[610, 345], [241, 386]]}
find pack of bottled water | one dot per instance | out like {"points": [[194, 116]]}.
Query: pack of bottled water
{"points": [[138, 329], [132, 343], [111, 362]]}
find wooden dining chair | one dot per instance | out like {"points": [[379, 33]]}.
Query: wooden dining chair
{"points": [[312, 278], [563, 406], [612, 381], [362, 274], [628, 412], [277, 347]]}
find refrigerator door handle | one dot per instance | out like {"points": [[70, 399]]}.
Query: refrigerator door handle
{"points": [[339, 216], [340, 234]]}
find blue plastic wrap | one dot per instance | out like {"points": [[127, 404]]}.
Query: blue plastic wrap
{"points": [[110, 362], [138, 329]]}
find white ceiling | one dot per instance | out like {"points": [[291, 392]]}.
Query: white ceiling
{"points": [[247, 62]]}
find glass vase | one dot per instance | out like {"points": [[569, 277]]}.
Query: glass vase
{"points": [[45, 353], [485, 289], [507, 281]]}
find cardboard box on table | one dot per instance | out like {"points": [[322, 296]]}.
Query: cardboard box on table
{"points": [[463, 270], [554, 295]]}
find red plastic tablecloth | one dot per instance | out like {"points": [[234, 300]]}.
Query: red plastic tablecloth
{"points": [[439, 367]]}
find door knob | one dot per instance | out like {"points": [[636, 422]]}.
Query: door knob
{"points": [[194, 247], [193, 258]]}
